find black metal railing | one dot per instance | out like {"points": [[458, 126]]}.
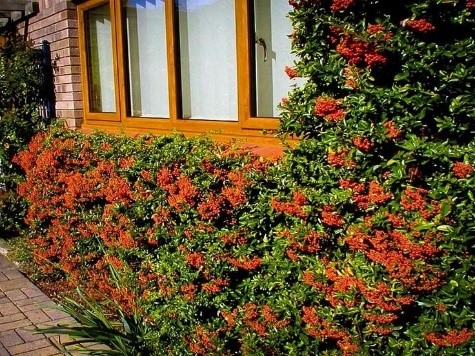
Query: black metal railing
{"points": [[48, 98]]}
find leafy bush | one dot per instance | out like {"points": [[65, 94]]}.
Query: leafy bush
{"points": [[387, 165], [20, 97], [360, 241], [94, 326]]}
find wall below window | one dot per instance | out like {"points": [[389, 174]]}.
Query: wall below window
{"points": [[56, 23]]}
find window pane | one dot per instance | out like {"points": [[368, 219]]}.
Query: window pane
{"points": [[147, 58], [99, 60], [208, 59], [272, 54]]}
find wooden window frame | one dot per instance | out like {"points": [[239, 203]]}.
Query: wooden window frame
{"points": [[247, 126]]}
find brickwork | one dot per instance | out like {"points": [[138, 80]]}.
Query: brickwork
{"points": [[56, 23], [23, 308]]}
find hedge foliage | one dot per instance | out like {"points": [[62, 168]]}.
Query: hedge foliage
{"points": [[20, 119], [360, 241]]}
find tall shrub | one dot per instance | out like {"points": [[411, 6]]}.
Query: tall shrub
{"points": [[387, 120], [20, 119], [360, 241]]}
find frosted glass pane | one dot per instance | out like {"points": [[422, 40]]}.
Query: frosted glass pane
{"points": [[147, 58], [100, 63], [272, 28], [208, 59]]}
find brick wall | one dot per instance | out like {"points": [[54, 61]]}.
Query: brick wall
{"points": [[56, 23]]}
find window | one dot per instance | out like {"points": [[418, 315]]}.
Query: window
{"points": [[190, 65]]}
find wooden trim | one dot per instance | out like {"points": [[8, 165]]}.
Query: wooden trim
{"points": [[247, 128], [242, 44], [88, 115], [249, 136], [245, 38], [114, 29], [120, 57], [173, 62], [267, 123]]}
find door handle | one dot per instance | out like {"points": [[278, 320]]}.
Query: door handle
{"points": [[261, 42]]}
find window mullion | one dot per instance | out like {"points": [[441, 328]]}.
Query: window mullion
{"points": [[173, 61], [243, 65], [119, 58]]}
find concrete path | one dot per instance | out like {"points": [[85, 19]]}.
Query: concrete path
{"points": [[23, 307]]}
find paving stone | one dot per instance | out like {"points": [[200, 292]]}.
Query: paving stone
{"points": [[37, 316], [60, 339], [5, 264], [29, 347], [8, 309], [14, 325], [12, 285], [10, 338], [34, 300], [55, 314], [68, 321], [3, 351], [13, 274], [37, 305], [28, 334], [47, 351], [32, 291], [97, 347], [23, 307], [16, 294], [11, 317]]}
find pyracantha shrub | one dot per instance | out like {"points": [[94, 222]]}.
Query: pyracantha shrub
{"points": [[387, 158], [360, 241]]}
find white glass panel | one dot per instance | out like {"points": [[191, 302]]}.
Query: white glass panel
{"points": [[272, 48], [208, 59], [100, 62], [147, 58]]}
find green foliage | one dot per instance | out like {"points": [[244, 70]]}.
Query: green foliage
{"points": [[123, 338], [20, 97], [360, 241]]}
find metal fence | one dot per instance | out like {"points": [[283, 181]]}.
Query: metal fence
{"points": [[48, 102]]}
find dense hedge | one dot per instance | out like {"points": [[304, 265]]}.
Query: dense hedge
{"points": [[20, 119], [360, 241]]}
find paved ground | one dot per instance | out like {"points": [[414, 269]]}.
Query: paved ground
{"points": [[23, 307]]}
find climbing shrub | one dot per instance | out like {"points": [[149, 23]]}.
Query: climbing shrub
{"points": [[359, 241], [386, 161]]}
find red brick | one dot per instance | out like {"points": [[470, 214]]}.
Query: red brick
{"points": [[27, 333], [55, 314], [29, 347], [64, 88], [64, 105], [32, 291], [37, 316], [65, 70], [14, 325], [11, 318], [15, 294], [13, 284], [71, 96], [47, 351], [35, 300], [10, 338], [3, 351], [13, 274], [8, 309], [68, 79]]}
